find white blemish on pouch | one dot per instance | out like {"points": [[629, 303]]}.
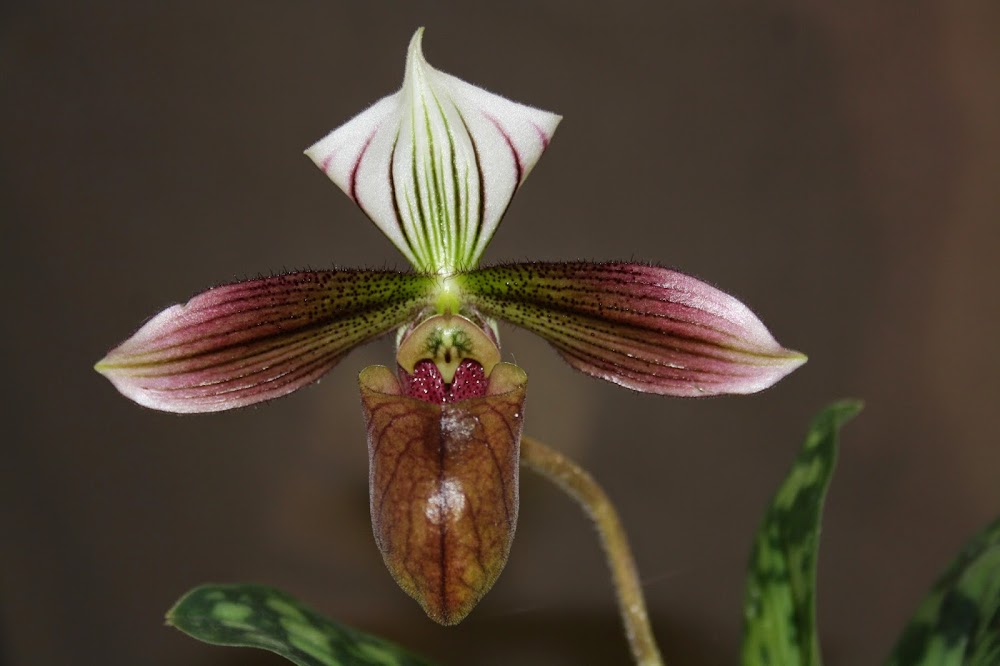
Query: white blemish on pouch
{"points": [[447, 504], [457, 425]]}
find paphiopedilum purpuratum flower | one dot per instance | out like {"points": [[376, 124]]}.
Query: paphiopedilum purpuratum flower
{"points": [[434, 166]]}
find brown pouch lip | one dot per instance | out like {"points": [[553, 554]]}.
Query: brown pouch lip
{"points": [[443, 486]]}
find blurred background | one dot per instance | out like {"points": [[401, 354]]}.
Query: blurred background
{"points": [[835, 165]]}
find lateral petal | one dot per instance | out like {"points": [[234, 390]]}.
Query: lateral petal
{"points": [[644, 327], [251, 341]]}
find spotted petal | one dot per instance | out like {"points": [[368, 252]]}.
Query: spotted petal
{"points": [[644, 327], [251, 341], [435, 165], [444, 487]]}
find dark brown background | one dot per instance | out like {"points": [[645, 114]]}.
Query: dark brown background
{"points": [[834, 164]]}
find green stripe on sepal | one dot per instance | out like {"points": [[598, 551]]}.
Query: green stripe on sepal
{"points": [[269, 619], [958, 621], [779, 613], [435, 165]]}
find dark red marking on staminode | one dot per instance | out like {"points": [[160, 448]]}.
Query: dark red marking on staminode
{"points": [[469, 382], [427, 384]]}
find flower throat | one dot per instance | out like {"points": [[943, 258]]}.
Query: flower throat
{"points": [[446, 358]]}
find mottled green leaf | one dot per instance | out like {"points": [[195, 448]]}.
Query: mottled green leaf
{"points": [[959, 620], [262, 617], [779, 613]]}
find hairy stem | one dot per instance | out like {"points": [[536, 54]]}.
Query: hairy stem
{"points": [[582, 487]]}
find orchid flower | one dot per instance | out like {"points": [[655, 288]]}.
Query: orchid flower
{"points": [[434, 166]]}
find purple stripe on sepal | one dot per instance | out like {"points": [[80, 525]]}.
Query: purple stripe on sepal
{"points": [[251, 341], [644, 327]]}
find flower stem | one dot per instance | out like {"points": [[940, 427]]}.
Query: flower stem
{"points": [[582, 487]]}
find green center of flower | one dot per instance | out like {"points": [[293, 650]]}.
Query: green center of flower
{"points": [[446, 340]]}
